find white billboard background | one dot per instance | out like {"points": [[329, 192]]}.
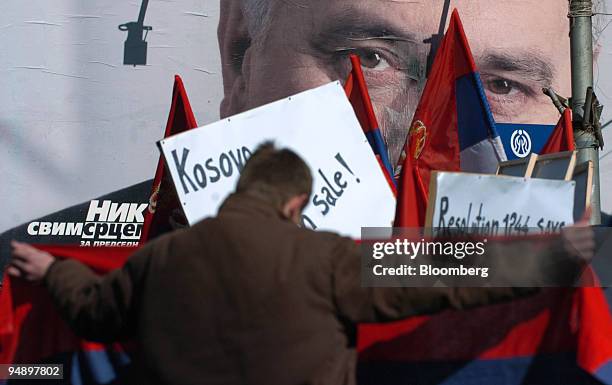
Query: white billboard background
{"points": [[75, 123]]}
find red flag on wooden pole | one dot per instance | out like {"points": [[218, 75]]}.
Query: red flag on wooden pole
{"points": [[164, 203]]}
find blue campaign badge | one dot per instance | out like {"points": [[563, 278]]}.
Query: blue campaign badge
{"points": [[520, 140]]}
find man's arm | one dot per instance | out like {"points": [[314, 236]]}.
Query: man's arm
{"points": [[379, 304], [376, 304], [98, 308]]}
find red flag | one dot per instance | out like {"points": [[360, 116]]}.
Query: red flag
{"points": [[31, 330], [562, 137], [452, 129], [453, 119], [164, 203], [412, 195], [357, 92], [594, 332]]}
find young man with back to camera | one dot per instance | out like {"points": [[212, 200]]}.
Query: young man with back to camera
{"points": [[246, 297]]}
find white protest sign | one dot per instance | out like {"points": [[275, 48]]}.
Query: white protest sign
{"points": [[349, 192], [498, 205]]}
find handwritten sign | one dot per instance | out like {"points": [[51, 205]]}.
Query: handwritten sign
{"points": [[349, 192], [493, 205]]}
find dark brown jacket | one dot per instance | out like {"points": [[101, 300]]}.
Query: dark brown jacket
{"points": [[243, 298]]}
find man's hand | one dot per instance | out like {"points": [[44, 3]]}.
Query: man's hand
{"points": [[579, 239], [28, 262]]}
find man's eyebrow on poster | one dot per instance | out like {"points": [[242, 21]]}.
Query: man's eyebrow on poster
{"points": [[509, 76], [393, 60], [381, 47], [514, 78]]}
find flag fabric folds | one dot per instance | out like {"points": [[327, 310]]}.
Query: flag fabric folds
{"points": [[357, 92], [412, 198], [453, 128], [562, 137], [594, 333], [534, 340], [164, 203], [31, 330]]}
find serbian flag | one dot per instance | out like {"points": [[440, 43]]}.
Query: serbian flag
{"points": [[31, 330], [453, 122], [452, 129], [357, 92], [562, 137], [561, 336], [553, 338]]}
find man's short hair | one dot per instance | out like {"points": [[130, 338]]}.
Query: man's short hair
{"points": [[257, 14], [275, 175]]}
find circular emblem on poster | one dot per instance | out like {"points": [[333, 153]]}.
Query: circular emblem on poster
{"points": [[520, 143]]}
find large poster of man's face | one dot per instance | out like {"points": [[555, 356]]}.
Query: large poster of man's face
{"points": [[84, 98], [271, 49]]}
